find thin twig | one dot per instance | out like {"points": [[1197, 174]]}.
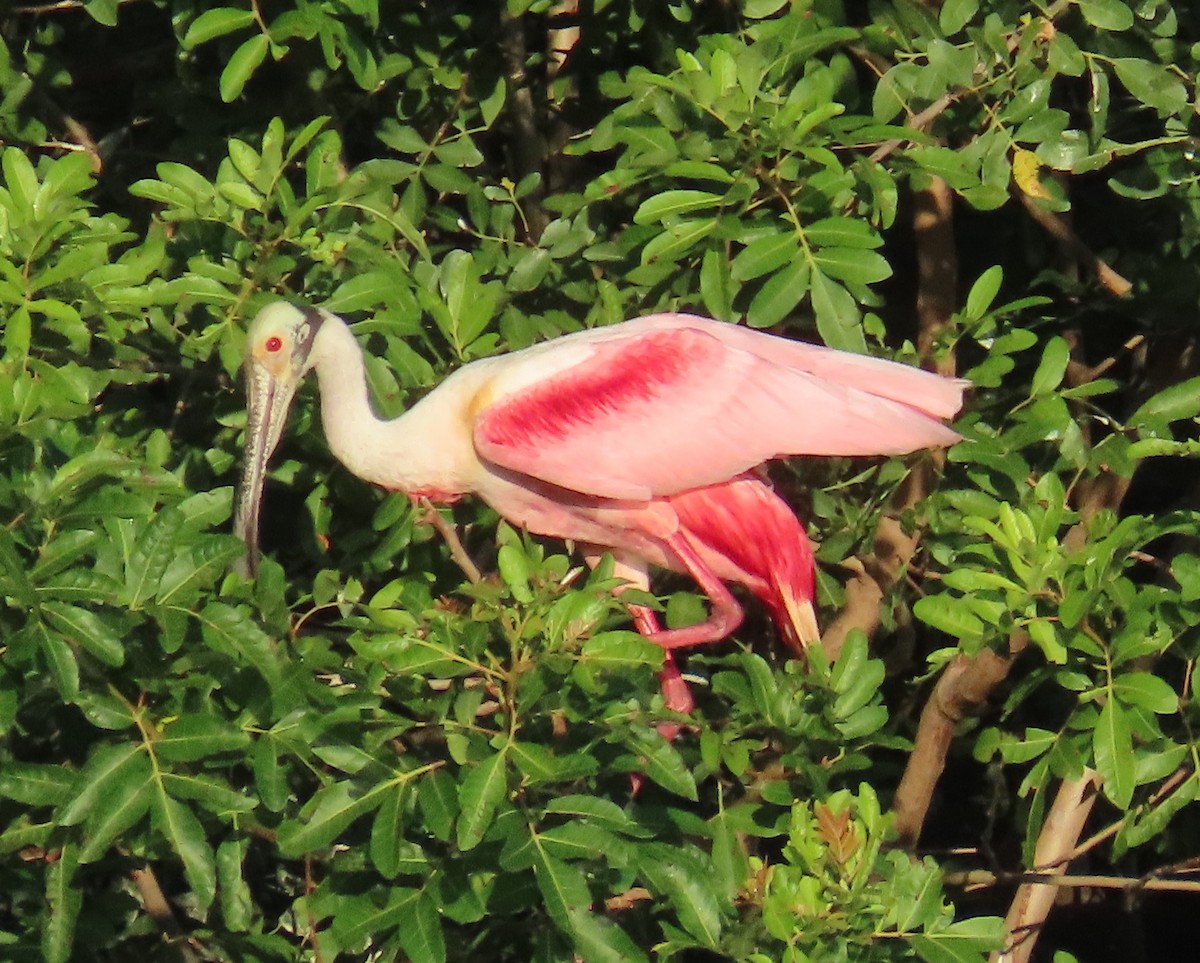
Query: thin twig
{"points": [[37, 9], [985, 879], [1062, 232], [1170, 785], [916, 122], [628, 899], [925, 118], [450, 534], [1088, 375]]}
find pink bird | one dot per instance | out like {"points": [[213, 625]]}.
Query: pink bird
{"points": [[643, 439]]}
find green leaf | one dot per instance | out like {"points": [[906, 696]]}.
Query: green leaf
{"points": [[761, 9], [731, 862], [659, 761], [420, 930], [778, 297], [675, 204], [102, 11], [85, 629], [983, 292], [859, 688], [950, 615], [964, 941], [600, 940], [216, 23], [1107, 14], [1171, 404], [842, 232], [185, 834], [194, 736], [563, 888], [1146, 691], [237, 904], [21, 180], [109, 767], [678, 239], [681, 877], [1112, 746], [35, 784], [530, 270], [124, 805], [362, 918], [764, 256], [600, 810], [387, 833], [154, 550], [956, 14], [438, 801], [13, 568], [270, 778], [479, 794], [232, 632], [63, 903], [1155, 85], [516, 570], [362, 292], [1052, 367], [616, 653], [242, 64], [331, 810], [717, 286], [838, 318], [209, 791]]}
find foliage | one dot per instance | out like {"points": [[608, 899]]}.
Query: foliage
{"points": [[361, 756]]}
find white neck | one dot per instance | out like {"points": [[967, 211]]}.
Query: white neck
{"points": [[413, 453]]}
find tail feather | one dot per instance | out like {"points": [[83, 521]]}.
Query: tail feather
{"points": [[762, 544], [795, 619]]}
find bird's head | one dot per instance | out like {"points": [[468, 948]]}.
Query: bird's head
{"points": [[279, 352]]}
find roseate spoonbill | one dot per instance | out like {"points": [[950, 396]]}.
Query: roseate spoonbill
{"points": [[643, 439]]}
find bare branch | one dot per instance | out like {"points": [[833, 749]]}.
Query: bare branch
{"points": [[159, 909], [527, 146], [983, 879], [1062, 232], [1057, 840], [964, 685], [450, 534]]}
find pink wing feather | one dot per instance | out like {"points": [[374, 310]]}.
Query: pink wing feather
{"points": [[680, 403]]}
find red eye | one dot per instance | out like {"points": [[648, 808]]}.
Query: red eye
{"points": [[273, 343]]}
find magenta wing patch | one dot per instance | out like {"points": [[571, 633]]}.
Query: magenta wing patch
{"points": [[601, 426]]}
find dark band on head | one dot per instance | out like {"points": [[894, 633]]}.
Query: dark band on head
{"points": [[312, 324]]}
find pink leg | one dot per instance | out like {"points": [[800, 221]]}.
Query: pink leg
{"points": [[726, 613], [676, 694]]}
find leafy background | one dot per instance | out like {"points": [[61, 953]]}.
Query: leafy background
{"points": [[374, 752]]}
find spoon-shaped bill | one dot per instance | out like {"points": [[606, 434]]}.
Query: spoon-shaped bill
{"points": [[268, 401]]}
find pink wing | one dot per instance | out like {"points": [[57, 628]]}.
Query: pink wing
{"points": [[672, 407], [930, 393]]}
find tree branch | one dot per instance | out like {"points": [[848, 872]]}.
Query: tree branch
{"points": [[159, 909], [1055, 843], [527, 147], [985, 878], [1071, 242], [450, 534], [964, 685]]}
